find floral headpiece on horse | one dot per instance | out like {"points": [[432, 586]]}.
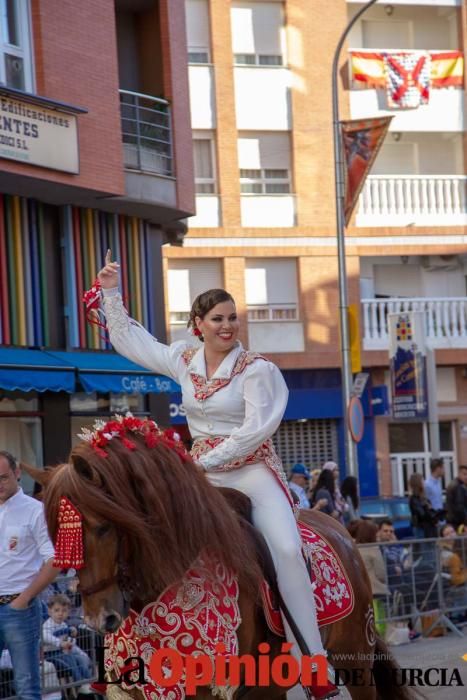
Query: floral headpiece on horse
{"points": [[121, 427], [69, 552]]}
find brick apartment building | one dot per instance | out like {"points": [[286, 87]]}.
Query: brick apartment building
{"points": [[264, 228], [95, 152]]}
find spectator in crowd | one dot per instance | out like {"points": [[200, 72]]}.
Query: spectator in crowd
{"points": [[424, 518], [393, 552], [454, 566], [433, 484], [339, 502], [26, 568], [365, 532], [395, 557], [299, 477], [298, 483], [398, 563], [349, 491], [60, 646], [314, 476], [456, 499], [324, 491]]}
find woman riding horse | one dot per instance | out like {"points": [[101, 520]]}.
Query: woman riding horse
{"points": [[234, 401], [148, 513]]}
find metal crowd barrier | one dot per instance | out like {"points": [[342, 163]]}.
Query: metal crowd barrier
{"points": [[57, 683], [420, 588], [423, 583]]}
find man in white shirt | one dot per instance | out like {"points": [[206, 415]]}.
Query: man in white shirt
{"points": [[433, 485], [26, 568], [299, 477]]}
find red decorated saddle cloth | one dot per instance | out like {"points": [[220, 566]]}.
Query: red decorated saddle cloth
{"points": [[334, 596], [191, 618]]}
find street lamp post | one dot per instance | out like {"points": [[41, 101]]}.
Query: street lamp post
{"points": [[346, 366]]}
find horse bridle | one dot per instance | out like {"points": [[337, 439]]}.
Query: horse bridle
{"points": [[121, 577]]}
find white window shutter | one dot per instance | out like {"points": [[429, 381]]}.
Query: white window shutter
{"points": [[179, 290], [256, 286]]}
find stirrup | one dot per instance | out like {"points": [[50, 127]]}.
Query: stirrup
{"points": [[323, 692]]}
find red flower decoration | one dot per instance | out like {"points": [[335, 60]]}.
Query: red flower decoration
{"points": [[197, 332]]}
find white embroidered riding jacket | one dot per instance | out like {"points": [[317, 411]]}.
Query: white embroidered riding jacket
{"points": [[244, 400]]}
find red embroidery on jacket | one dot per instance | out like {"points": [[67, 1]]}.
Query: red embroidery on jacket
{"points": [[205, 389]]}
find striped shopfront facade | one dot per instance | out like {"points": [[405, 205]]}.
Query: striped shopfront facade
{"points": [[54, 377]]}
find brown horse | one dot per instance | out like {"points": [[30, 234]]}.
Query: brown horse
{"points": [[147, 516]]}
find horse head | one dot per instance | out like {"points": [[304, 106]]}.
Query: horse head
{"points": [[147, 512]]}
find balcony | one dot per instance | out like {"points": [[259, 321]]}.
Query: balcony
{"points": [[146, 133], [420, 200], [446, 320]]}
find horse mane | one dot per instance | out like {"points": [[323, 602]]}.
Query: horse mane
{"points": [[164, 511]]}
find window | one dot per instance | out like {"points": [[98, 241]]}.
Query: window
{"points": [[15, 45], [251, 59], [258, 37], [271, 290], [198, 56], [266, 181], [197, 30], [21, 430], [264, 161], [203, 153], [185, 280]]}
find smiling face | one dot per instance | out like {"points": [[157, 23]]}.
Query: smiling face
{"points": [[220, 327]]}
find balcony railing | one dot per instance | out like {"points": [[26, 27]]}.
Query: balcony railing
{"points": [[446, 320], [146, 133], [272, 312], [400, 200]]}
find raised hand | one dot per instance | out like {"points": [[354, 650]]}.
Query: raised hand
{"points": [[108, 276]]}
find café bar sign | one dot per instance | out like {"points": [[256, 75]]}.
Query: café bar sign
{"points": [[33, 134]]}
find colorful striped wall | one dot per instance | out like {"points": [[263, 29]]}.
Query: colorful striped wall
{"points": [[24, 305], [88, 234]]}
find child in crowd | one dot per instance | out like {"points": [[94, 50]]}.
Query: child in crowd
{"points": [[60, 646]]}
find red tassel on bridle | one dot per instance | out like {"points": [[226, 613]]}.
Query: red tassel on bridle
{"points": [[69, 550]]}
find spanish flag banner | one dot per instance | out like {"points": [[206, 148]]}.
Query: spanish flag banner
{"points": [[447, 68], [368, 68], [361, 141]]}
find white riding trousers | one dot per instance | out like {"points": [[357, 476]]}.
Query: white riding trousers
{"points": [[274, 518]]}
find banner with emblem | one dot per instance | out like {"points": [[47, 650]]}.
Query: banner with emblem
{"points": [[361, 141], [408, 365]]}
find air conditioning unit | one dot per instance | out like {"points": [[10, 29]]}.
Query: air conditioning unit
{"points": [[438, 263]]}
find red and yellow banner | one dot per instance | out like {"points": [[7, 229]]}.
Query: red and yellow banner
{"points": [[361, 141], [447, 68]]}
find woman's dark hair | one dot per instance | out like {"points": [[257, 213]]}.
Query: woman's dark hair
{"points": [[365, 532], [417, 486], [205, 302], [349, 488], [325, 481]]}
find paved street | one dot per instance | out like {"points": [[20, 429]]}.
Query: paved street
{"points": [[443, 652]]}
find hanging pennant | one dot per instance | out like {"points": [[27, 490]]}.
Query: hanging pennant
{"points": [[361, 141]]}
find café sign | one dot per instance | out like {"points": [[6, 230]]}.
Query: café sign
{"points": [[33, 134]]}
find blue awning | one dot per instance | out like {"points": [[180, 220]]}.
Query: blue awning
{"points": [[107, 372], [34, 370]]}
